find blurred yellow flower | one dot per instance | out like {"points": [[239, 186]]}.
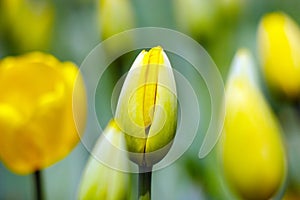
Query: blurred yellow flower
{"points": [[253, 155], [115, 16], [100, 181], [147, 107], [29, 24], [37, 127], [196, 17], [279, 49]]}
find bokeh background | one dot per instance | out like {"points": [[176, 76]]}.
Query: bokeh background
{"points": [[70, 29]]}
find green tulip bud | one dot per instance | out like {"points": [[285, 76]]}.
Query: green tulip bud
{"points": [[147, 107]]}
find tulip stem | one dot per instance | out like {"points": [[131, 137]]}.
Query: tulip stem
{"points": [[38, 185], [144, 183]]}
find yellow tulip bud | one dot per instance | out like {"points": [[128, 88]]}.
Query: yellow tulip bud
{"points": [[28, 24], [147, 107], [279, 50], [115, 17], [99, 181], [252, 151], [37, 127], [196, 17]]}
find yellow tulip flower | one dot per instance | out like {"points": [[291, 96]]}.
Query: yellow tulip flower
{"points": [[253, 154], [29, 24], [147, 107], [37, 127], [279, 50], [196, 17], [99, 181], [115, 16]]}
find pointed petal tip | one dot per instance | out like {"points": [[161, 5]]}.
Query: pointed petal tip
{"points": [[243, 66]]}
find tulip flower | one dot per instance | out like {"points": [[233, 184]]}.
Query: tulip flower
{"points": [[115, 17], [99, 181], [147, 107], [279, 49], [196, 17], [253, 154], [28, 24], [37, 126]]}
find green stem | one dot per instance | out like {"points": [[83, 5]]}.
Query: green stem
{"points": [[38, 185], [144, 183]]}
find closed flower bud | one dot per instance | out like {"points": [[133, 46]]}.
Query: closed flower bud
{"points": [[99, 181], [279, 50], [196, 17], [147, 107], [115, 17], [252, 150], [28, 24], [37, 126]]}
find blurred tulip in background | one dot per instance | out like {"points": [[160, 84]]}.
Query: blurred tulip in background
{"points": [[278, 41], [27, 25], [115, 16], [101, 181], [37, 126], [253, 153]]}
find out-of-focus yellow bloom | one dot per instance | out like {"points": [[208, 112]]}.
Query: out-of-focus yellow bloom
{"points": [[279, 50], [252, 151], [100, 181], [147, 107], [29, 24], [36, 116], [115, 16], [196, 17]]}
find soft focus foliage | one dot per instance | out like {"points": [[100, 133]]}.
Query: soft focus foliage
{"points": [[253, 154], [279, 48], [37, 127]]}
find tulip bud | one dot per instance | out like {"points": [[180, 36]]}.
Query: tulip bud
{"points": [[36, 116], [196, 17], [99, 181], [252, 151], [115, 17], [279, 49], [147, 107]]}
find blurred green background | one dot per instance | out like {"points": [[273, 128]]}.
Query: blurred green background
{"points": [[74, 29]]}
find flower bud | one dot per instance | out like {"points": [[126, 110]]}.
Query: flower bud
{"points": [[99, 181], [278, 41], [252, 150], [37, 126], [28, 24], [115, 17], [196, 17], [147, 107]]}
